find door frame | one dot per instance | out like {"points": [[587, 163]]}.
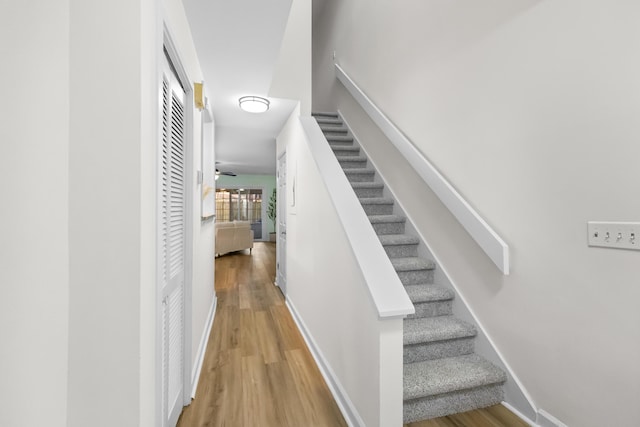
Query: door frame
{"points": [[175, 58], [282, 203]]}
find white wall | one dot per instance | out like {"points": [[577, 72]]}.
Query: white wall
{"points": [[530, 113], [110, 128], [327, 290], [292, 74], [79, 240], [34, 258]]}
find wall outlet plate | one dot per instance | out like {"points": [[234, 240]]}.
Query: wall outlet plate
{"points": [[618, 235]]}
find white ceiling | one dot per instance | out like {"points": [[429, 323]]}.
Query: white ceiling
{"points": [[238, 44]]}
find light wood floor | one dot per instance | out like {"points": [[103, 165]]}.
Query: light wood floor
{"points": [[495, 416], [257, 369]]}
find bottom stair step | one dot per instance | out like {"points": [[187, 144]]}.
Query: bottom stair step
{"points": [[440, 387]]}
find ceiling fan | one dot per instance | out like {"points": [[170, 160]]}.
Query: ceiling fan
{"points": [[224, 173]]}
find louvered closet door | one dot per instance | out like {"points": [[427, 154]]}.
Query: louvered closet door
{"points": [[172, 239]]}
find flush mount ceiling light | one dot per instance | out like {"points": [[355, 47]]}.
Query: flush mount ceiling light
{"points": [[254, 104]]}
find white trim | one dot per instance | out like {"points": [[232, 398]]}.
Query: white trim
{"points": [[480, 231], [202, 348], [389, 295], [190, 188], [349, 411], [545, 419], [445, 272], [519, 414]]}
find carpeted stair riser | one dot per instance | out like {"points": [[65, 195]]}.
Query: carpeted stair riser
{"points": [[377, 208], [387, 226], [331, 130], [437, 350], [452, 403], [352, 162], [321, 114], [367, 191], [341, 151], [336, 145], [401, 251], [359, 175], [416, 277], [331, 121], [343, 140], [432, 309]]}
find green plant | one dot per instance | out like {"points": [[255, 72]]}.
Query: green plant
{"points": [[272, 208]]}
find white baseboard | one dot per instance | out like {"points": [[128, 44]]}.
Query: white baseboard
{"points": [[519, 414], [545, 419], [349, 411], [204, 339]]}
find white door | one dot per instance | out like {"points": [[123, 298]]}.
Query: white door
{"points": [[281, 241], [172, 238]]}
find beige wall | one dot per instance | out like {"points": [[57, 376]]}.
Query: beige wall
{"points": [[530, 112], [34, 253]]}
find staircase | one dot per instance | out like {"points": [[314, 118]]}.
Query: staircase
{"points": [[442, 375]]}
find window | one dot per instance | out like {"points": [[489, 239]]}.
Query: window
{"points": [[240, 205]]}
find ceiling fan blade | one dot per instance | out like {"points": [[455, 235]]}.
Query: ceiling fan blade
{"points": [[224, 173]]}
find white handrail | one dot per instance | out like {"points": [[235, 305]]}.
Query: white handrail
{"points": [[480, 231], [385, 288]]}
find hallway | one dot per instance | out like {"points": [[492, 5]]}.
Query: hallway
{"points": [[257, 369]]}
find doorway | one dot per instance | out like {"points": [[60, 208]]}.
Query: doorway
{"points": [[241, 204], [174, 237], [281, 228]]}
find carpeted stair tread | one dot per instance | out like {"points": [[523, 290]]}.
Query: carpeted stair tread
{"points": [[329, 121], [349, 151], [412, 264], [379, 219], [441, 328], [320, 114], [333, 128], [359, 171], [346, 149], [433, 377], [339, 138], [352, 158], [428, 293], [376, 201], [398, 239], [367, 185]]}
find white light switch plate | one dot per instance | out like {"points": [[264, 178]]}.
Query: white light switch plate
{"points": [[618, 235]]}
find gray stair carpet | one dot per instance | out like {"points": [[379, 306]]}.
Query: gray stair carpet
{"points": [[442, 374]]}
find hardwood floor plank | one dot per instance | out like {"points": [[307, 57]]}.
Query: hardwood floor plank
{"points": [[505, 417], [288, 333], [246, 379], [267, 338], [494, 416], [257, 402], [309, 383], [287, 402], [248, 333]]}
